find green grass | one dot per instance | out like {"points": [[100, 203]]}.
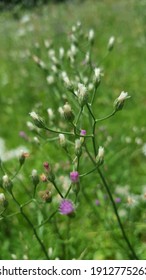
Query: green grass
{"points": [[24, 88]]}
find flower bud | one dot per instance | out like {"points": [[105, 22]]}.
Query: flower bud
{"points": [[74, 177], [119, 102], [78, 147], [50, 79], [100, 156], [35, 177], [46, 166], [36, 140], [3, 201], [62, 140], [68, 112], [39, 62], [7, 183], [37, 119], [111, 43], [22, 157], [50, 114], [61, 53], [97, 76], [91, 36], [43, 177], [82, 94]]}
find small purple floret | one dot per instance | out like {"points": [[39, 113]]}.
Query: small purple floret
{"points": [[97, 202], [23, 135], [74, 176], [66, 207], [117, 199], [83, 132]]}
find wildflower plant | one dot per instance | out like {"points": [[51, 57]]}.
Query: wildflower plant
{"points": [[73, 76]]}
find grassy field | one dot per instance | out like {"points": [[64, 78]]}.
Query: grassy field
{"points": [[24, 88]]}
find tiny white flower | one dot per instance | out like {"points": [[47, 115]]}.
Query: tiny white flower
{"points": [[34, 173], [50, 113], [101, 152], [30, 125], [144, 149], [54, 68], [50, 79], [2, 197], [47, 43], [73, 50], [34, 115], [90, 87], [100, 156], [91, 35], [5, 179], [138, 141], [81, 90], [87, 57], [61, 111], [51, 53], [111, 42], [62, 140], [36, 140], [123, 96], [82, 93], [78, 144], [119, 102], [73, 28], [97, 75], [61, 52]]}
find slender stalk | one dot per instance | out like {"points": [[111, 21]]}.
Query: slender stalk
{"points": [[31, 225], [54, 184], [105, 183], [107, 117], [114, 207], [89, 172], [117, 215]]}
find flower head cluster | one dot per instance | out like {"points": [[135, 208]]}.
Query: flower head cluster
{"points": [[66, 207]]}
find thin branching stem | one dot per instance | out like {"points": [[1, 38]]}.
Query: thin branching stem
{"points": [[31, 225]]}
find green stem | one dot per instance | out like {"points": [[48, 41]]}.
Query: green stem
{"points": [[54, 184], [114, 207], [117, 215], [107, 117], [93, 96], [87, 173], [31, 225]]}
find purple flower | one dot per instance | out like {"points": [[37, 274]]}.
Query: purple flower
{"points": [[117, 199], [74, 176], [97, 202], [66, 207], [23, 135], [83, 132]]}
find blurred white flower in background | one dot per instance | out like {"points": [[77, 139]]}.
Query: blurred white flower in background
{"points": [[6, 155]]}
